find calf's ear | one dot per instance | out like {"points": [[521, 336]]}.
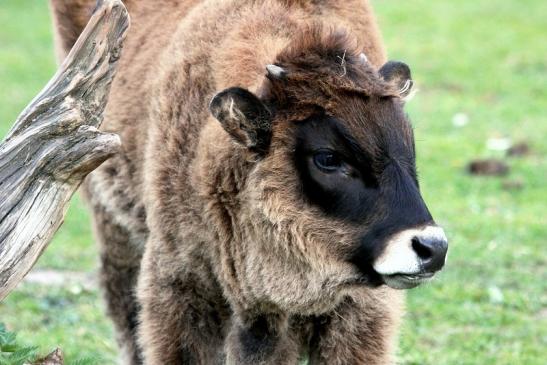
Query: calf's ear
{"points": [[244, 117], [398, 74]]}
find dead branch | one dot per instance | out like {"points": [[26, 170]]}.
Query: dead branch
{"points": [[55, 143]]}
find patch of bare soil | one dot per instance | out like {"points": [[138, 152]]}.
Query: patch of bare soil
{"points": [[488, 167], [519, 150], [59, 278]]}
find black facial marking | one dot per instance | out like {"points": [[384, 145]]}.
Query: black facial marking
{"points": [[336, 174], [369, 180], [404, 207]]}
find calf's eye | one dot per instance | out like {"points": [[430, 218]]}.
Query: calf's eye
{"points": [[327, 161]]}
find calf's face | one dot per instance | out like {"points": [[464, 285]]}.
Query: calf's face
{"points": [[338, 151]]}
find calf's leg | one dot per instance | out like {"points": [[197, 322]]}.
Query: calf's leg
{"points": [[263, 339], [183, 316], [119, 269]]}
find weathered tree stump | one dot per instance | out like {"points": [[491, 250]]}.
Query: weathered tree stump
{"points": [[54, 358], [55, 143]]}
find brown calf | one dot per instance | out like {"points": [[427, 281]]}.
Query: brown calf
{"points": [[261, 221]]}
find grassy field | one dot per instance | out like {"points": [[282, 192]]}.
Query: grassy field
{"points": [[478, 61]]}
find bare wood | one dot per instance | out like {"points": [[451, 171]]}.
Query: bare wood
{"points": [[55, 143], [54, 358]]}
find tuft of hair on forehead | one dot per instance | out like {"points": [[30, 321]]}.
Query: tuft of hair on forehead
{"points": [[321, 63]]}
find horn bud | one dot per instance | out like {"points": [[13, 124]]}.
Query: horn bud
{"points": [[363, 59], [276, 72]]}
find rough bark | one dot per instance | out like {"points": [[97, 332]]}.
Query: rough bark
{"points": [[55, 143]]}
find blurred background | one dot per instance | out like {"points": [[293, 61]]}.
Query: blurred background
{"points": [[481, 68]]}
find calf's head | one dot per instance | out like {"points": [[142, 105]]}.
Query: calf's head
{"points": [[334, 171]]}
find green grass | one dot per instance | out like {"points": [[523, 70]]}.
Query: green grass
{"points": [[11, 352], [484, 58]]}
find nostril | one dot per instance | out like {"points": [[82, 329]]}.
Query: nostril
{"points": [[424, 252]]}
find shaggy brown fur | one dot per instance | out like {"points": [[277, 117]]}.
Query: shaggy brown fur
{"points": [[236, 267]]}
